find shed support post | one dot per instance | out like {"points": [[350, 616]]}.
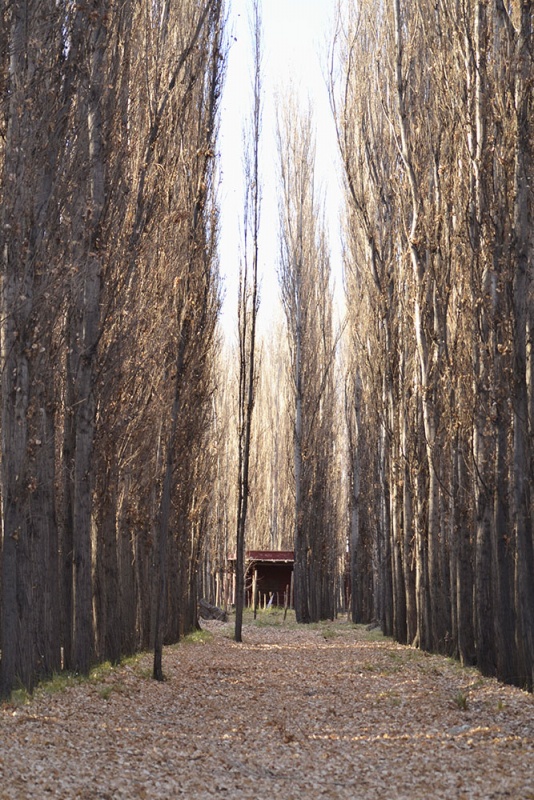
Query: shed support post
{"points": [[255, 592]]}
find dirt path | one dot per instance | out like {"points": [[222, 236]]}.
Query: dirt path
{"points": [[301, 713]]}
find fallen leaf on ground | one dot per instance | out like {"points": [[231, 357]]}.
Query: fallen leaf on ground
{"points": [[307, 712]]}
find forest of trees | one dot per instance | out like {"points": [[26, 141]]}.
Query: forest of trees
{"points": [[392, 450], [434, 104], [110, 299]]}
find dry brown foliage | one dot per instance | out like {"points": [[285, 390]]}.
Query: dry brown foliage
{"points": [[294, 712]]}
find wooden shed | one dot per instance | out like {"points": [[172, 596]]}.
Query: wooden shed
{"points": [[268, 577]]}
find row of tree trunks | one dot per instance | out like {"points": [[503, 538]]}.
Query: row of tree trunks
{"points": [[304, 275], [440, 266], [109, 305]]}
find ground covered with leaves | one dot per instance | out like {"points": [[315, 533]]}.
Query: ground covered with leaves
{"points": [[330, 710]]}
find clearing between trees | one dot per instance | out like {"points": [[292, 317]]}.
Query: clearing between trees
{"points": [[329, 710]]}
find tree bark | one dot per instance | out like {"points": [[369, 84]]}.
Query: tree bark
{"points": [[523, 277], [29, 644], [248, 312]]}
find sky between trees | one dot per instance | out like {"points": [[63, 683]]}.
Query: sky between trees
{"points": [[297, 36]]}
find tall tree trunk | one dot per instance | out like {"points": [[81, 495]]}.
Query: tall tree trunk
{"points": [[248, 312], [301, 568], [89, 333], [503, 555], [408, 543], [30, 643], [67, 508], [354, 431], [160, 590], [106, 582], [522, 286], [464, 554]]}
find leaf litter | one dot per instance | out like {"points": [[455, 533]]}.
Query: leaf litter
{"points": [[327, 711]]}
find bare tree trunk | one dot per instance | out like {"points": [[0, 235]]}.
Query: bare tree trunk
{"points": [[503, 554], [523, 279], [463, 560], [408, 544], [483, 445], [30, 150], [483, 551], [89, 333], [133, 560], [164, 515], [67, 508], [385, 561], [354, 432], [107, 602], [399, 588], [423, 638], [301, 586], [248, 312]]}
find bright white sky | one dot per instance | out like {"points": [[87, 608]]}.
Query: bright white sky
{"points": [[296, 38]]}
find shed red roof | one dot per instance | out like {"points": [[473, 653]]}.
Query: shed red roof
{"points": [[268, 555]]}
